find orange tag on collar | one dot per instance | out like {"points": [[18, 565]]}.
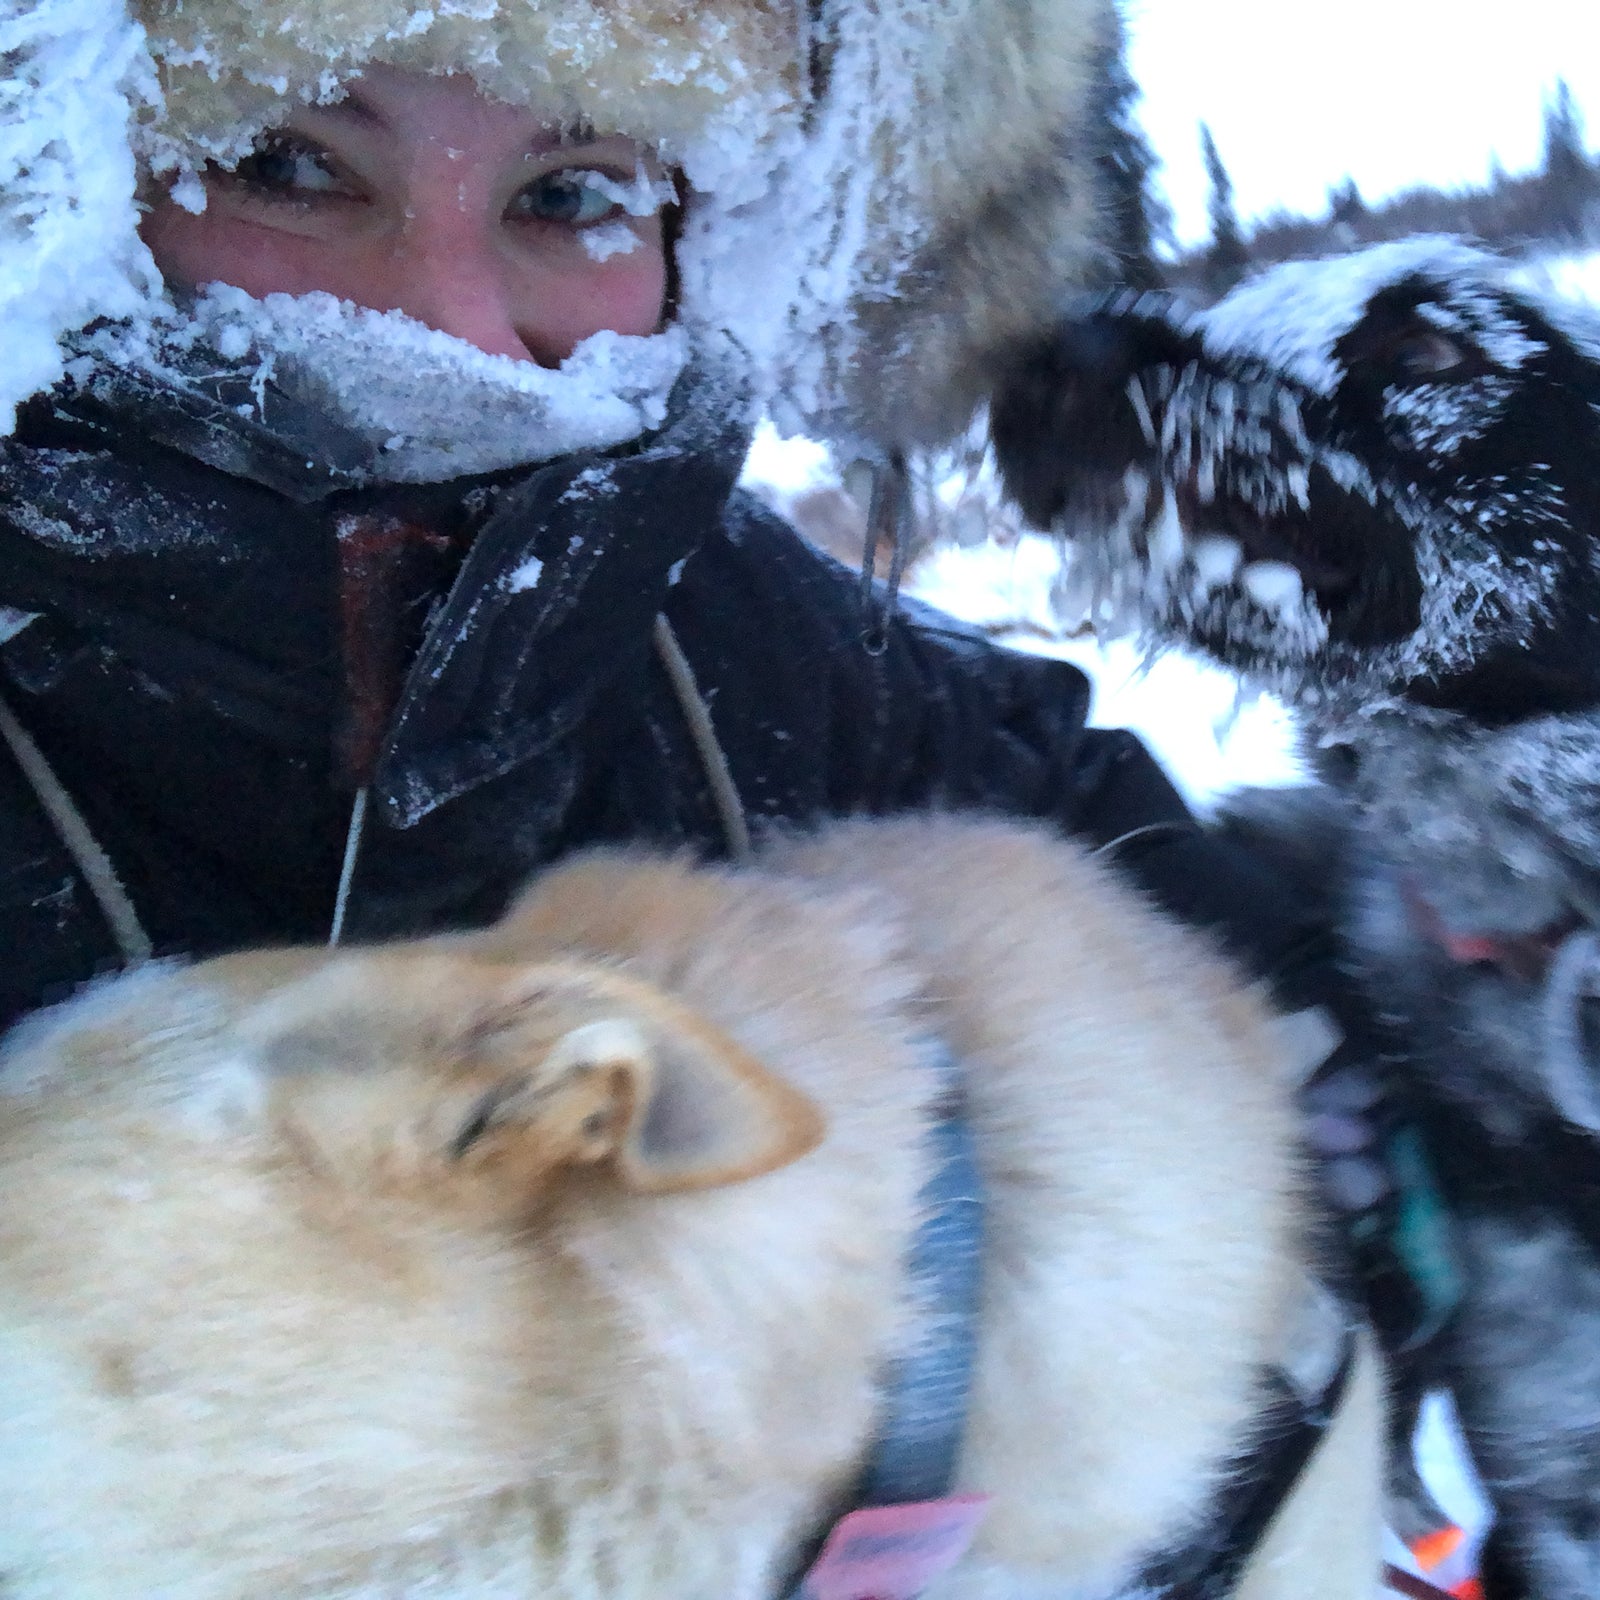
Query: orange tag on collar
{"points": [[894, 1552]]}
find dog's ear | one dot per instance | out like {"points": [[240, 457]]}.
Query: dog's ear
{"points": [[631, 1078], [434, 1067]]}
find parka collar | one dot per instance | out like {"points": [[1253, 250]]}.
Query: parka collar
{"points": [[559, 569], [557, 595], [172, 630]]}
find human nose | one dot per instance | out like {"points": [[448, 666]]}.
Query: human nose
{"points": [[449, 276]]}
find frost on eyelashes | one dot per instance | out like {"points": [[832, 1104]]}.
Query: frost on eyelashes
{"points": [[644, 196]]}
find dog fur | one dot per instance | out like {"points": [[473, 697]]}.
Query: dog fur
{"points": [[1373, 484], [565, 1258]]}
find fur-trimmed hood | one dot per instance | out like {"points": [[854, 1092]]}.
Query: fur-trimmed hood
{"points": [[880, 192]]}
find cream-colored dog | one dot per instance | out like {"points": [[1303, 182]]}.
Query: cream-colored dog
{"points": [[563, 1261]]}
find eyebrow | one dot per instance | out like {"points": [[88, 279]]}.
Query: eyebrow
{"points": [[353, 106]]}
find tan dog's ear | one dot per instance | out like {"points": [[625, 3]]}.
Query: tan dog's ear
{"points": [[642, 1081]]}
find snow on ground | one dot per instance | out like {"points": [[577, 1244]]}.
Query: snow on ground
{"points": [[780, 470]]}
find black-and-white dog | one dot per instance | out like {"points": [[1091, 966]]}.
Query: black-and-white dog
{"points": [[1373, 484]]}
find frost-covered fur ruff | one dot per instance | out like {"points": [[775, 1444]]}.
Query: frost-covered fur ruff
{"points": [[879, 192], [564, 1259], [1374, 484]]}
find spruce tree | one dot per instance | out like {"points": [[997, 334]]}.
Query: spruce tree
{"points": [[1568, 178], [1347, 215], [1227, 258], [1345, 203], [1136, 222]]}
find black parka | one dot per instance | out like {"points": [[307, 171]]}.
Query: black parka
{"points": [[216, 632]]}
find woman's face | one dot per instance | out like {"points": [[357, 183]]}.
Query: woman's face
{"points": [[417, 194]]}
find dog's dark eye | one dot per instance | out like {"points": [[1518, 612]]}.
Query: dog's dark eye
{"points": [[1427, 353], [1405, 338]]}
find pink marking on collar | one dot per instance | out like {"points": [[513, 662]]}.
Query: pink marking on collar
{"points": [[894, 1552]]}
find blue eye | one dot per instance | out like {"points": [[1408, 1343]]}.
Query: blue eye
{"points": [[565, 197]]}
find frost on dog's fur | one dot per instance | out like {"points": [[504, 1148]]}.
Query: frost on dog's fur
{"points": [[1416, 436], [432, 1300], [1265, 477]]}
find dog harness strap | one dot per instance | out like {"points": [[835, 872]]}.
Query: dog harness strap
{"points": [[913, 1462], [1208, 1568], [1397, 1582]]}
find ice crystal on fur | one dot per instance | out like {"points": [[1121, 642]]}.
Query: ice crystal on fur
{"points": [[75, 73], [1313, 419], [1291, 317]]}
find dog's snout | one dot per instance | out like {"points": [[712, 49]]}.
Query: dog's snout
{"points": [[1064, 408], [1095, 355]]}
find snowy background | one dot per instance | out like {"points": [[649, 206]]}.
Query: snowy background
{"points": [[1391, 93], [1207, 733]]}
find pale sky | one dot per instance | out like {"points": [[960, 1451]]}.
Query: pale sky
{"points": [[1391, 92]]}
